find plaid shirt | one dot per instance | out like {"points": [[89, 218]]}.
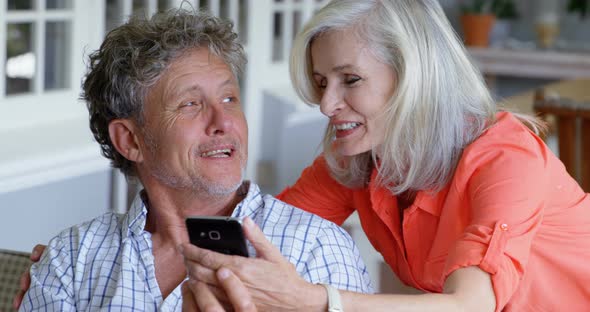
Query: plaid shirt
{"points": [[108, 263]]}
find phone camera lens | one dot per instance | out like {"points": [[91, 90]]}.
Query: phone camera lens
{"points": [[214, 235]]}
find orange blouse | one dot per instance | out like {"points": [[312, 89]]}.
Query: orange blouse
{"points": [[511, 209]]}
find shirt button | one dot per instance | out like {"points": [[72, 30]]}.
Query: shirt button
{"points": [[504, 227]]}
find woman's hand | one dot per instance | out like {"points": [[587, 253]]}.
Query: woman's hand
{"points": [[196, 296], [272, 281], [25, 277]]}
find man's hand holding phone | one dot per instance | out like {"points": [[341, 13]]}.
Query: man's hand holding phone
{"points": [[223, 235], [272, 282]]}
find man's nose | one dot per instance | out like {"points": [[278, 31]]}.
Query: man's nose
{"points": [[331, 102], [219, 120]]}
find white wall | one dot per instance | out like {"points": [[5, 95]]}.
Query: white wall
{"points": [[35, 215]]}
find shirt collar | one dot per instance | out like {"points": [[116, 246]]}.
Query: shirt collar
{"points": [[432, 202], [136, 217], [251, 203], [428, 201]]}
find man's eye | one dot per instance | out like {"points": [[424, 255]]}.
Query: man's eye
{"points": [[189, 104], [229, 99]]}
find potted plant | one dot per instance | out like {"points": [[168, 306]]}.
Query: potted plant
{"points": [[576, 22], [477, 20], [479, 17], [579, 6], [505, 12]]}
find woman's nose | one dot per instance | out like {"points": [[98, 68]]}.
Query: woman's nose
{"points": [[331, 102]]}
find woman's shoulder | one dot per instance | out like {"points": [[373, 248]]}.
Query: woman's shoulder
{"points": [[505, 145], [508, 134], [506, 127]]}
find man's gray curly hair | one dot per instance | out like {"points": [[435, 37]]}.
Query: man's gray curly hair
{"points": [[134, 55]]}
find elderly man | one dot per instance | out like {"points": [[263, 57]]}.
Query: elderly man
{"points": [[164, 105]]}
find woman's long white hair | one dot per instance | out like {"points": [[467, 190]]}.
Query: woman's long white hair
{"points": [[440, 104]]}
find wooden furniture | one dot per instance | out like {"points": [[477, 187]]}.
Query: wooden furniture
{"points": [[569, 103]]}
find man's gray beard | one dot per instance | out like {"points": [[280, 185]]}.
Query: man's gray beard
{"points": [[197, 184]]}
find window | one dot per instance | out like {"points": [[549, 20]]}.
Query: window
{"points": [[43, 126], [27, 34], [41, 48]]}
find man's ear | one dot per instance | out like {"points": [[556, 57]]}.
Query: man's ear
{"points": [[124, 135]]}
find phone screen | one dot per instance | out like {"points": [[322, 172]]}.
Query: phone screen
{"points": [[220, 234]]}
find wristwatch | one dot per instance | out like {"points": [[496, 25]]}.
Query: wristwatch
{"points": [[334, 302]]}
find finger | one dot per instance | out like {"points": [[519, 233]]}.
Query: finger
{"points": [[264, 249], [237, 293], [221, 296], [200, 273], [207, 258], [18, 299], [25, 280], [23, 284], [189, 303], [37, 252], [204, 298]]}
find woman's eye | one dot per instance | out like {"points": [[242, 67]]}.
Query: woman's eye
{"points": [[322, 84], [352, 79]]}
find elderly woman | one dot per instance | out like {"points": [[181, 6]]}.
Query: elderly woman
{"points": [[464, 202]]}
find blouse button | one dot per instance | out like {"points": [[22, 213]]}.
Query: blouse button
{"points": [[504, 227]]}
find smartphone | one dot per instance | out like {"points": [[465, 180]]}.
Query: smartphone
{"points": [[220, 234]]}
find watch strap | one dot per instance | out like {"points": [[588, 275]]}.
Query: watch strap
{"points": [[334, 301]]}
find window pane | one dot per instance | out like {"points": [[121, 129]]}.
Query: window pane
{"points": [[243, 21], [139, 8], [224, 9], [57, 55], [204, 5], [59, 4], [20, 4], [162, 5], [113, 16], [20, 59], [296, 22], [277, 38]]}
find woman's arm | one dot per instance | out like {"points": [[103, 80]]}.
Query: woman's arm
{"points": [[466, 289], [273, 283], [25, 277]]}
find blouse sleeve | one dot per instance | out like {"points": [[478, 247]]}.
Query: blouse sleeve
{"points": [[317, 192], [504, 191]]}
